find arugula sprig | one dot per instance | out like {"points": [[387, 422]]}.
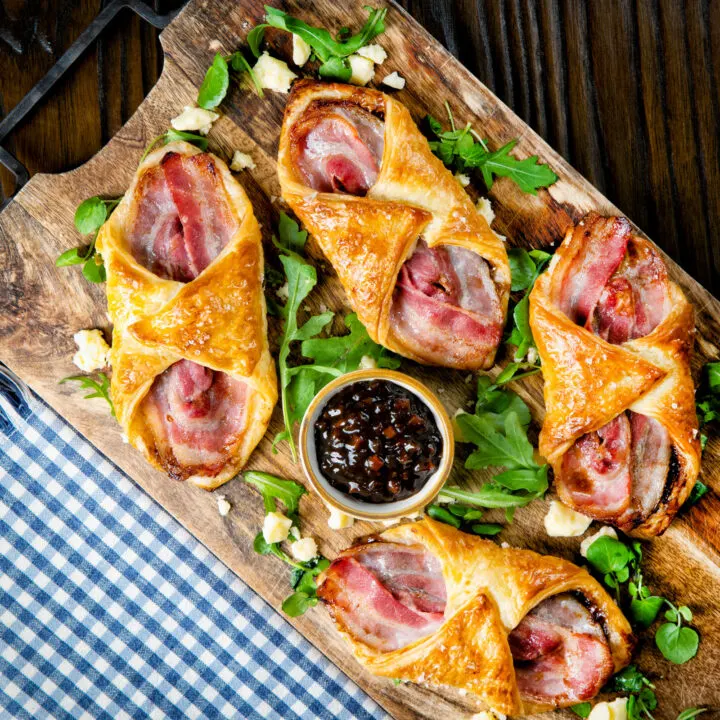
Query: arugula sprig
{"points": [[217, 79], [498, 428], [304, 574], [463, 149], [463, 517], [331, 52], [332, 356], [619, 564], [173, 135], [525, 269], [99, 386], [89, 218]]}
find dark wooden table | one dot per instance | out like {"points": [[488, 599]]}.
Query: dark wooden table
{"points": [[628, 91]]}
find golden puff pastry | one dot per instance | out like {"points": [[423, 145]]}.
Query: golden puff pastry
{"points": [[615, 336], [193, 382], [524, 632], [421, 267]]}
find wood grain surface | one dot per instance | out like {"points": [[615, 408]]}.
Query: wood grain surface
{"points": [[41, 306]]}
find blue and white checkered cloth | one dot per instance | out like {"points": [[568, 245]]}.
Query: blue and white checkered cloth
{"points": [[110, 609]]}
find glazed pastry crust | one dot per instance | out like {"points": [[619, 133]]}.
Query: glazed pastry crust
{"points": [[589, 381], [367, 239], [217, 320], [490, 589]]}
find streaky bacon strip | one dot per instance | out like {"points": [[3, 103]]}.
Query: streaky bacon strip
{"points": [[561, 653], [618, 472], [183, 219], [386, 595], [604, 243], [182, 223], [446, 304], [338, 147]]}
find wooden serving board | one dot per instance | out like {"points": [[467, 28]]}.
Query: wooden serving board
{"points": [[42, 306]]}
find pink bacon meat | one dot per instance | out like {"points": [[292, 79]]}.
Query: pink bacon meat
{"points": [[618, 289], [182, 222], [385, 594], [338, 147], [446, 307], [560, 652]]}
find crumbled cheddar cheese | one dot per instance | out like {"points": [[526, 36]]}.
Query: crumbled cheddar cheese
{"points": [[367, 362], [373, 52], [273, 74], [301, 51], [276, 527], [241, 161], [615, 710], [339, 520], [562, 521], [304, 549], [588, 541], [195, 119], [362, 70], [92, 351], [484, 207], [394, 80]]}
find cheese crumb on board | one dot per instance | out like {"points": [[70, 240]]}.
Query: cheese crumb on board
{"points": [[462, 178], [484, 207], [373, 52], [276, 527], [241, 161], [615, 710], [301, 51], [562, 521], [93, 351], [488, 715], [304, 549], [273, 74], [194, 119], [362, 70], [224, 506], [338, 520], [394, 80], [588, 541], [367, 362]]}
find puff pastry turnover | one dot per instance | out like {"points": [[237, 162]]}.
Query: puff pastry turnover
{"points": [[421, 267], [524, 632], [193, 382], [615, 337]]}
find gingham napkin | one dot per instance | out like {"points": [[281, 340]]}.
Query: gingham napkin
{"points": [[110, 609]]}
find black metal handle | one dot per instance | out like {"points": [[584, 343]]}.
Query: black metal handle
{"points": [[86, 38]]}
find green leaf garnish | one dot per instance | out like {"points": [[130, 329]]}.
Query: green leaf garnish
{"points": [[299, 603], [90, 215], [73, 256], [619, 563], [321, 41], [273, 488], [699, 490], [582, 709], [215, 84], [255, 38], [690, 713], [499, 430], [336, 68], [464, 150], [98, 384]]}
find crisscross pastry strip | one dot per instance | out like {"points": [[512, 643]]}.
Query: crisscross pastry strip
{"points": [[615, 336], [193, 382], [524, 632], [421, 267]]}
